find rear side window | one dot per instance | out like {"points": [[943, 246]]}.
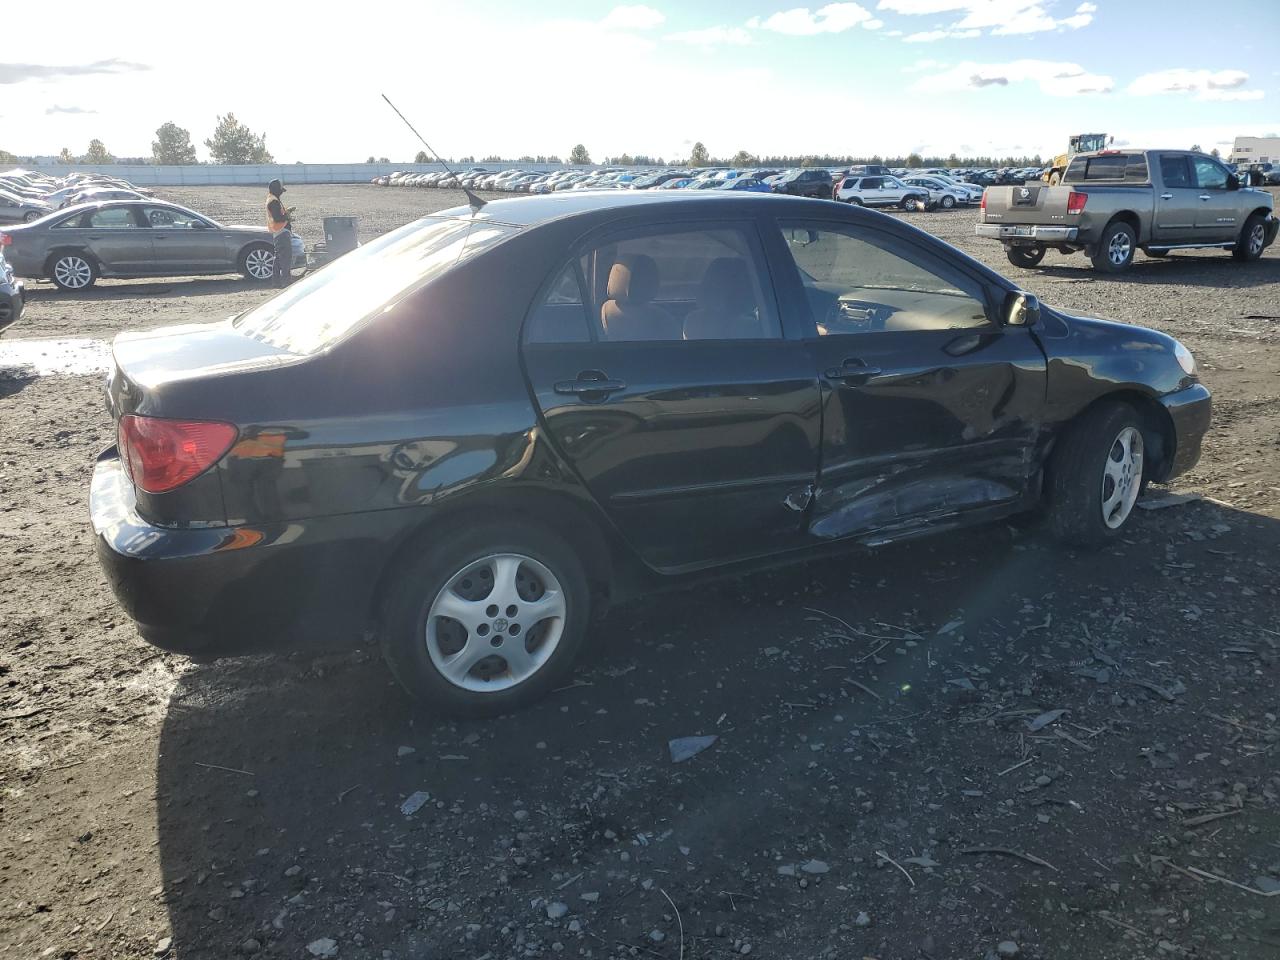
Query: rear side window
{"points": [[561, 316], [1112, 168], [1173, 171], [325, 306]]}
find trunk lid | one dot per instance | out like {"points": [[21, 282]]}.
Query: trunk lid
{"points": [[1032, 203]]}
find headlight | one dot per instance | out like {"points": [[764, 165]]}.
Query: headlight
{"points": [[1185, 360]]}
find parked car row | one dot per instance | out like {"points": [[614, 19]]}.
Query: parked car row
{"points": [[26, 196], [1257, 174]]}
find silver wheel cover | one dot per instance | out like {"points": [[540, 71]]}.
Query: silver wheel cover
{"points": [[1119, 249], [260, 264], [73, 272], [496, 623], [1121, 477], [1257, 237]]}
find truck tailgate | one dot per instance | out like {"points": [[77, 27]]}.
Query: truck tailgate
{"points": [[1033, 203]]}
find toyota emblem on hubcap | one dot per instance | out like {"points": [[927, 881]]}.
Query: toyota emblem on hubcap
{"points": [[500, 624]]}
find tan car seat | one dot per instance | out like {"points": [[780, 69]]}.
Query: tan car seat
{"points": [[726, 307], [628, 313]]}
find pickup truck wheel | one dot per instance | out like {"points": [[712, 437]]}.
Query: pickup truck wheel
{"points": [[1026, 257], [486, 621], [1115, 248], [1095, 475], [1253, 239]]}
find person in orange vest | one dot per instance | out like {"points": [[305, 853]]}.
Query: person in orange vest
{"points": [[280, 225]]}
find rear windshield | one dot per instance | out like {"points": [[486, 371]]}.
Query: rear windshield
{"points": [[1115, 168], [325, 306]]}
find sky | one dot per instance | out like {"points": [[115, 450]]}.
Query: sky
{"points": [[509, 77]]}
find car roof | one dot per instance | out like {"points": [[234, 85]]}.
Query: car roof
{"points": [[541, 208]]}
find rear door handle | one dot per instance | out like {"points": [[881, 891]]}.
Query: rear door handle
{"points": [[1205, 196], [852, 371], [1166, 196], [589, 382]]}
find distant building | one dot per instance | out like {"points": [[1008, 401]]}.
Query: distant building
{"points": [[1255, 150]]}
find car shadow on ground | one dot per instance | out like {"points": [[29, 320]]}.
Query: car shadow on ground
{"points": [[281, 779], [1189, 268], [152, 289]]}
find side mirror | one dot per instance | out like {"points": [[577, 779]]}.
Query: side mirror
{"points": [[1023, 309], [1233, 182]]}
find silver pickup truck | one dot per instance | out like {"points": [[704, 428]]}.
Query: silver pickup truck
{"points": [[1114, 202]]}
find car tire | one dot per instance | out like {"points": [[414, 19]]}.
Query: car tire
{"points": [[1026, 257], [947, 202], [1096, 475], [1253, 239], [856, 201], [490, 575], [1115, 249], [31, 216], [258, 263], [72, 271], [908, 203]]}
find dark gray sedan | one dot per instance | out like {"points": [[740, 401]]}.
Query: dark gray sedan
{"points": [[125, 238]]}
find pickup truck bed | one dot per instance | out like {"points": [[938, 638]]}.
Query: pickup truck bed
{"points": [[1112, 203]]}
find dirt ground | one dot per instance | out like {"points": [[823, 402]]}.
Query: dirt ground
{"points": [[958, 748]]}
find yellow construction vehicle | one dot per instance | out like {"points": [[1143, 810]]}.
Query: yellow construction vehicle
{"points": [[1081, 143]]}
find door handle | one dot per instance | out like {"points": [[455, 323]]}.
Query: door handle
{"points": [[589, 382], [1166, 196], [1205, 196], [852, 371]]}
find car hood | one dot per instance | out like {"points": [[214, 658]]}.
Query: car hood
{"points": [[245, 229]]}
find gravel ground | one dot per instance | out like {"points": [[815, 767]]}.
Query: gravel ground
{"points": [[891, 779]]}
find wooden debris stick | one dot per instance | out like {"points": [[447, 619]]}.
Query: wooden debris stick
{"points": [[865, 689], [678, 920], [215, 766], [1014, 767], [1231, 883], [1209, 818], [1006, 852], [885, 856], [1058, 731]]}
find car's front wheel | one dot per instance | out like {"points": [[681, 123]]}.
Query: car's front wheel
{"points": [[258, 263], [1096, 474], [73, 271], [947, 202], [1026, 257], [486, 621], [1253, 239], [31, 216]]}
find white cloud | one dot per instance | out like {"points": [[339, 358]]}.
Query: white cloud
{"points": [[1053, 78], [1000, 17], [872, 24], [1218, 86], [800, 22], [922, 65], [931, 36], [714, 37], [633, 18]]}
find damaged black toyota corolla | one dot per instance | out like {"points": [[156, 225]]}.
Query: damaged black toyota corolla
{"points": [[478, 428]]}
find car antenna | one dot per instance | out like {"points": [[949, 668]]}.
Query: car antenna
{"points": [[474, 202]]}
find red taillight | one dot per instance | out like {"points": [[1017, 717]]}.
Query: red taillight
{"points": [[5, 240], [983, 204], [161, 455], [1076, 201]]}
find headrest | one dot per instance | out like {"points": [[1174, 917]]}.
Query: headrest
{"points": [[726, 286], [633, 279]]}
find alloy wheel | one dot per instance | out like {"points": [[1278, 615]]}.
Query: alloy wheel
{"points": [[73, 273], [1122, 477], [260, 264], [1120, 248], [948, 202], [495, 623], [1257, 238]]}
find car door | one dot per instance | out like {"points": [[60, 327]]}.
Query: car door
{"points": [[894, 190], [1218, 213], [1177, 202], [661, 371], [932, 406], [871, 190], [183, 242], [117, 239]]}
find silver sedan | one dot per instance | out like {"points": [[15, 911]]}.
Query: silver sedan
{"points": [[16, 209], [123, 238]]}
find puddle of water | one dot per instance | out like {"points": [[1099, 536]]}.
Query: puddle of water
{"points": [[42, 358]]}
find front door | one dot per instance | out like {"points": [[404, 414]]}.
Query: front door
{"points": [[117, 240], [184, 242], [1218, 215], [1178, 202], [660, 367], [931, 405]]}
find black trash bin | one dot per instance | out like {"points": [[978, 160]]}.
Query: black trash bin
{"points": [[339, 236]]}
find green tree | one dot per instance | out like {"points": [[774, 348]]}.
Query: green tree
{"points": [[1214, 153], [97, 153], [1195, 148], [421, 157], [699, 157], [371, 160], [7, 157], [233, 142], [915, 161], [743, 159], [579, 154], [172, 145], [65, 156]]}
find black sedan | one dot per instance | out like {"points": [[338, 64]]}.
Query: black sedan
{"points": [[476, 429]]}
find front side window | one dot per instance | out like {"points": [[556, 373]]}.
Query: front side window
{"points": [[1209, 174], [171, 218], [862, 281], [112, 218], [325, 306], [679, 283]]}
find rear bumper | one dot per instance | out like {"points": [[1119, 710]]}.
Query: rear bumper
{"points": [[220, 591], [1033, 232], [1190, 410], [12, 301]]}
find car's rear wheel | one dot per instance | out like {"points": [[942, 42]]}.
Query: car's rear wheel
{"points": [[31, 216], [1096, 474], [947, 202], [856, 201], [1115, 248], [486, 621], [73, 271], [258, 263], [1026, 257], [1253, 239]]}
